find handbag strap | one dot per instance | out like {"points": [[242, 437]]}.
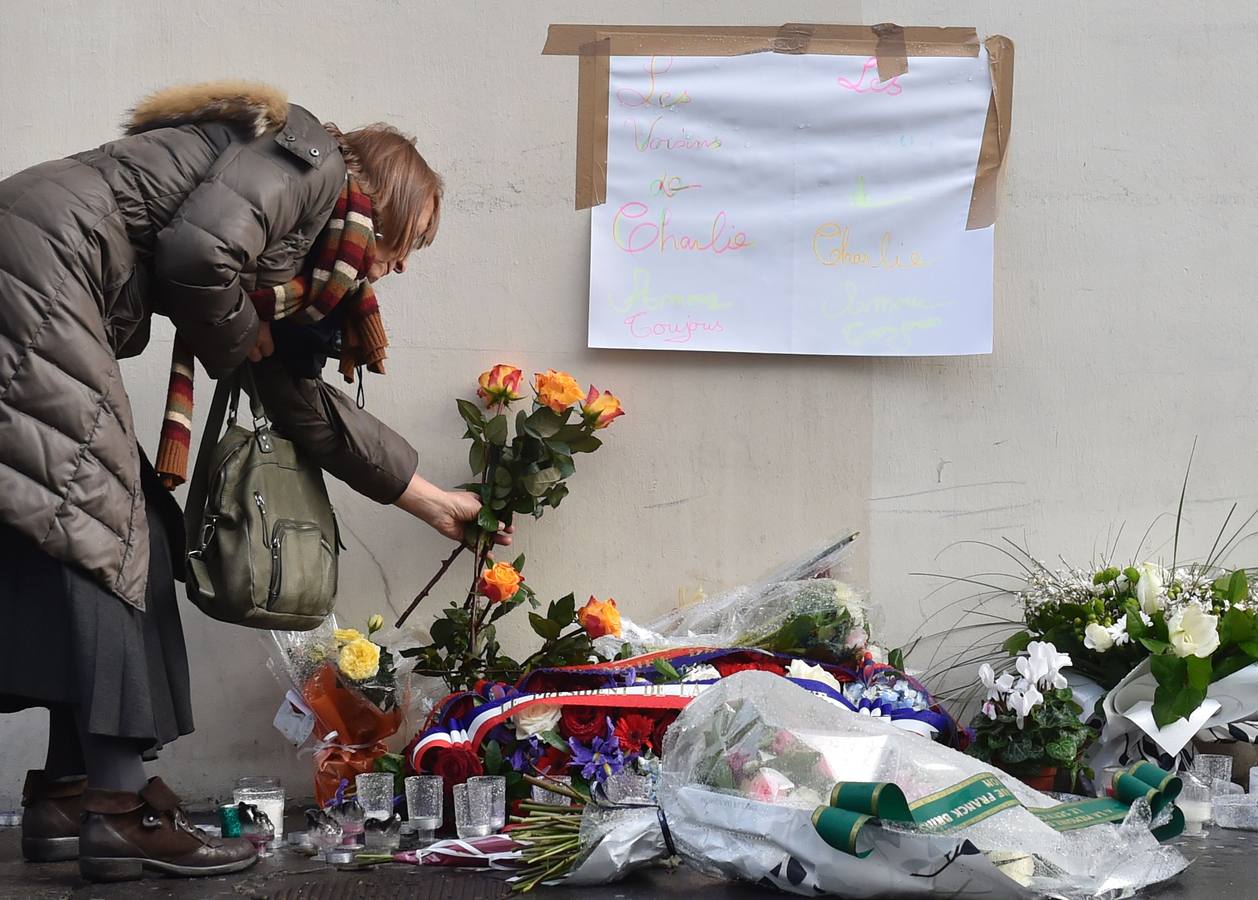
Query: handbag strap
{"points": [[222, 409]]}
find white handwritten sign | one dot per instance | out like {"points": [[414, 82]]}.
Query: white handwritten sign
{"points": [[792, 204]]}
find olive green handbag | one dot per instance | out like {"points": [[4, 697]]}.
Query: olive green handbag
{"points": [[262, 535]]}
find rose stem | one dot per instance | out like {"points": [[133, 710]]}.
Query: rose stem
{"points": [[449, 561]]}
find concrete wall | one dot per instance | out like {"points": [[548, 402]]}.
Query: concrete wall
{"points": [[1124, 310]]}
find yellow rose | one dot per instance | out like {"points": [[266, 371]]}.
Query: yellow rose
{"points": [[345, 635], [601, 408], [500, 582], [501, 384], [359, 659], [599, 618], [558, 390]]}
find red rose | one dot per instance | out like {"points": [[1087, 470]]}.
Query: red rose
{"points": [[661, 726], [454, 764], [634, 732], [582, 722], [552, 762], [727, 668]]}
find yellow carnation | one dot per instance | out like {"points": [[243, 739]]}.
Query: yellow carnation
{"points": [[345, 635], [359, 659]]}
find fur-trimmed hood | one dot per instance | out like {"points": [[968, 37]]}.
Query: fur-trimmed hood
{"points": [[255, 106]]}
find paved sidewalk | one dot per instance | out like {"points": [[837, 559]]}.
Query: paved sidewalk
{"points": [[1226, 867]]}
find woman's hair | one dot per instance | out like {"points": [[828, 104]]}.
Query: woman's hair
{"points": [[399, 181]]}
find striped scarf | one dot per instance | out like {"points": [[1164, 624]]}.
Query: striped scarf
{"points": [[335, 272]]}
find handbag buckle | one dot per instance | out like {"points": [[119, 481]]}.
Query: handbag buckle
{"points": [[262, 433]]}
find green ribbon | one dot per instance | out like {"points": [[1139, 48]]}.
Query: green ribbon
{"points": [[853, 804]]}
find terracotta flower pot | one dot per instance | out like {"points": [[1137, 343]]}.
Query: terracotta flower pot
{"points": [[1043, 780]]}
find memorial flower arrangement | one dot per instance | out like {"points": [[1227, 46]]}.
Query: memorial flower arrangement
{"points": [[349, 686], [1029, 725], [1196, 624], [520, 466]]}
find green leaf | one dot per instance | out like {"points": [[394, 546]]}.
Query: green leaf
{"points": [[1135, 625], [524, 505], [538, 483], [556, 494], [1154, 645], [1015, 643], [502, 476], [496, 430], [1199, 672], [493, 758], [441, 631], [562, 610], [565, 466], [558, 448], [544, 627], [487, 520], [1171, 704], [1170, 670], [1238, 587], [1250, 647], [585, 444], [895, 658], [1062, 750], [476, 457], [518, 564], [471, 415], [554, 739], [666, 669], [543, 423]]}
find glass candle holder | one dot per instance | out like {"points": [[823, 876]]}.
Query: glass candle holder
{"points": [[267, 794], [471, 811], [375, 794], [1211, 767], [496, 785], [425, 804], [541, 795], [1194, 802]]}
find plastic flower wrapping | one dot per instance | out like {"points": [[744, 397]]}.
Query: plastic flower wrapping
{"points": [[799, 610], [347, 695], [763, 781]]}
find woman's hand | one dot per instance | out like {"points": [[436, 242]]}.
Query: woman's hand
{"points": [[265, 346], [446, 511]]}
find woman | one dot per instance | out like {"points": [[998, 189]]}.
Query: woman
{"points": [[219, 192]]}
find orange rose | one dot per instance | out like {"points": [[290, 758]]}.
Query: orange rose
{"points": [[599, 618], [601, 408], [501, 384], [501, 582], [558, 390]]}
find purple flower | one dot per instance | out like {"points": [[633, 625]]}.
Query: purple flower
{"points": [[502, 734], [526, 753], [603, 758]]}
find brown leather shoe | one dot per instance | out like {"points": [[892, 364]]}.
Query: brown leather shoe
{"points": [[123, 834], [51, 812]]}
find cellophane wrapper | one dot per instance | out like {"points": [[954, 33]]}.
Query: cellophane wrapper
{"points": [[747, 762], [351, 730], [752, 615]]}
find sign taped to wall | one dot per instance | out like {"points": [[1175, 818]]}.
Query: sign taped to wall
{"points": [[833, 197]]}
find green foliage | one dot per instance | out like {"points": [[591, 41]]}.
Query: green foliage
{"points": [[1052, 735], [520, 473]]}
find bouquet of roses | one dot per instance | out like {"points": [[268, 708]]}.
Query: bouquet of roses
{"points": [[520, 473], [351, 693]]}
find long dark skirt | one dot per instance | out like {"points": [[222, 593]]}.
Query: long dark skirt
{"points": [[68, 641]]}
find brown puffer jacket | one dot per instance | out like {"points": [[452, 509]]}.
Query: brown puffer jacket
{"points": [[217, 189]]}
